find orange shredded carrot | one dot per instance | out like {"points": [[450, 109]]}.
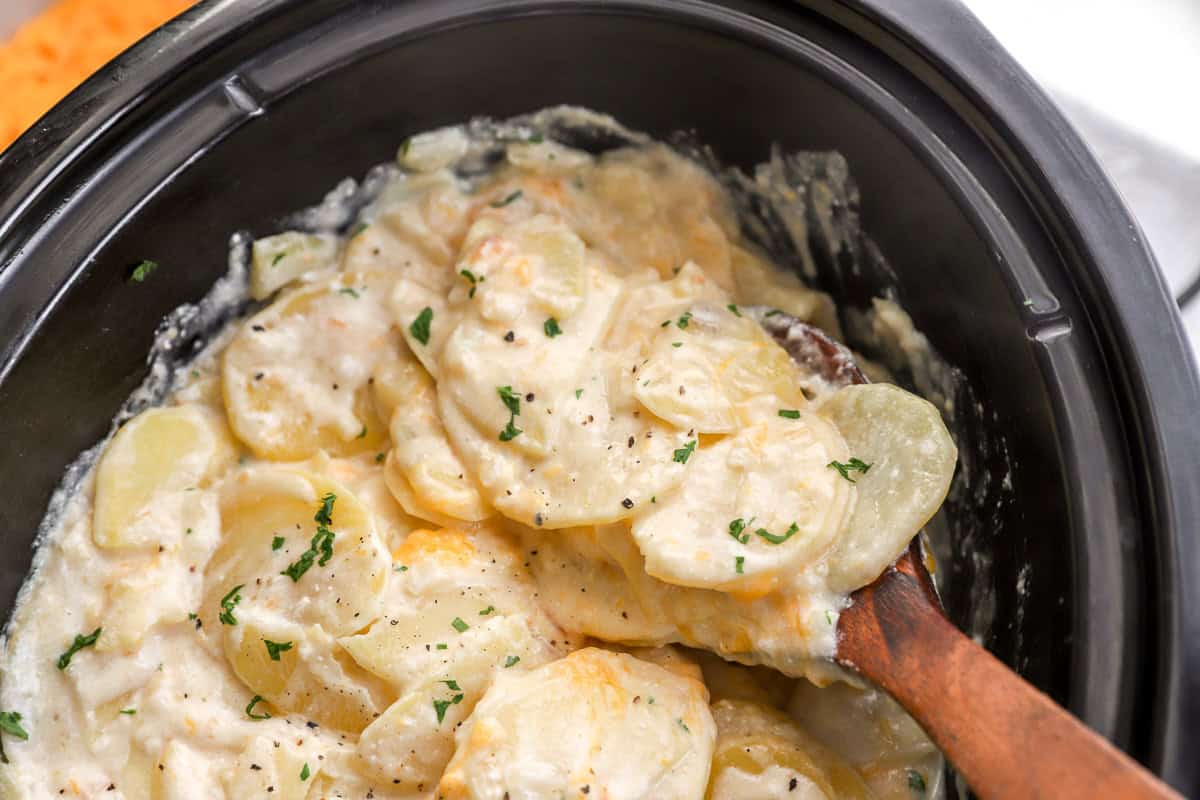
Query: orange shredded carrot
{"points": [[54, 52]]}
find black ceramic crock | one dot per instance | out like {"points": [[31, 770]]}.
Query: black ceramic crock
{"points": [[1013, 253]]}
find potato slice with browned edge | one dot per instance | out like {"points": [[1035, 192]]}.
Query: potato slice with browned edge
{"points": [[295, 375], [149, 471], [596, 722], [910, 460]]}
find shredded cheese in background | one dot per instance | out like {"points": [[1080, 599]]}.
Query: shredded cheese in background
{"points": [[58, 49]]}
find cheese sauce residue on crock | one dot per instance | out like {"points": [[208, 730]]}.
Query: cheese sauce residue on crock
{"points": [[486, 501]]}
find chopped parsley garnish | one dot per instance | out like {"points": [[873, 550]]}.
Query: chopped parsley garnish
{"points": [[459, 625], [129, 712], [275, 648], [452, 685], [321, 544], [379, 457], [828, 617], [916, 782], [143, 270], [487, 611], [304, 773], [440, 706], [853, 465], [511, 198], [277, 542], [363, 433], [441, 645], [510, 432], [80, 642], [683, 725], [738, 563], [324, 515], [401, 568], [737, 530], [10, 723], [551, 328], [684, 453], [407, 143], [683, 321], [420, 326], [676, 344], [535, 138], [773, 312], [359, 228], [578, 393], [348, 290], [474, 281], [250, 709], [512, 402], [763, 533], [511, 661], [734, 309], [278, 257], [666, 323], [789, 413], [650, 701]]}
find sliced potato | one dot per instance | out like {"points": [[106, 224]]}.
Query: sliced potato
{"points": [[413, 230], [754, 508], [426, 321], [461, 610], [311, 677], [433, 150], [146, 472], [547, 157], [278, 260], [911, 457], [273, 550], [295, 375], [763, 753], [594, 722], [183, 774], [712, 370], [341, 595], [273, 768], [649, 207], [611, 609], [535, 266], [561, 441], [760, 283], [460, 604], [422, 452]]}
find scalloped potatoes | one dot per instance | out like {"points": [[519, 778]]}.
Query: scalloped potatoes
{"points": [[436, 519]]}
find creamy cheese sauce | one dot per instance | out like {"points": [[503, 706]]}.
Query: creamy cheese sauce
{"points": [[467, 508]]}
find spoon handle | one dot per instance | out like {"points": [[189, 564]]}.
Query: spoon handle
{"points": [[1006, 738]]}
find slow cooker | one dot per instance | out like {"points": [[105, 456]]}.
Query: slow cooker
{"points": [[1073, 546]]}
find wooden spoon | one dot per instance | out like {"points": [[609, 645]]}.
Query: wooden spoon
{"points": [[1007, 739]]}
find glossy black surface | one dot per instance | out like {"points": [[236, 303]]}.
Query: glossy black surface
{"points": [[1011, 252]]}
